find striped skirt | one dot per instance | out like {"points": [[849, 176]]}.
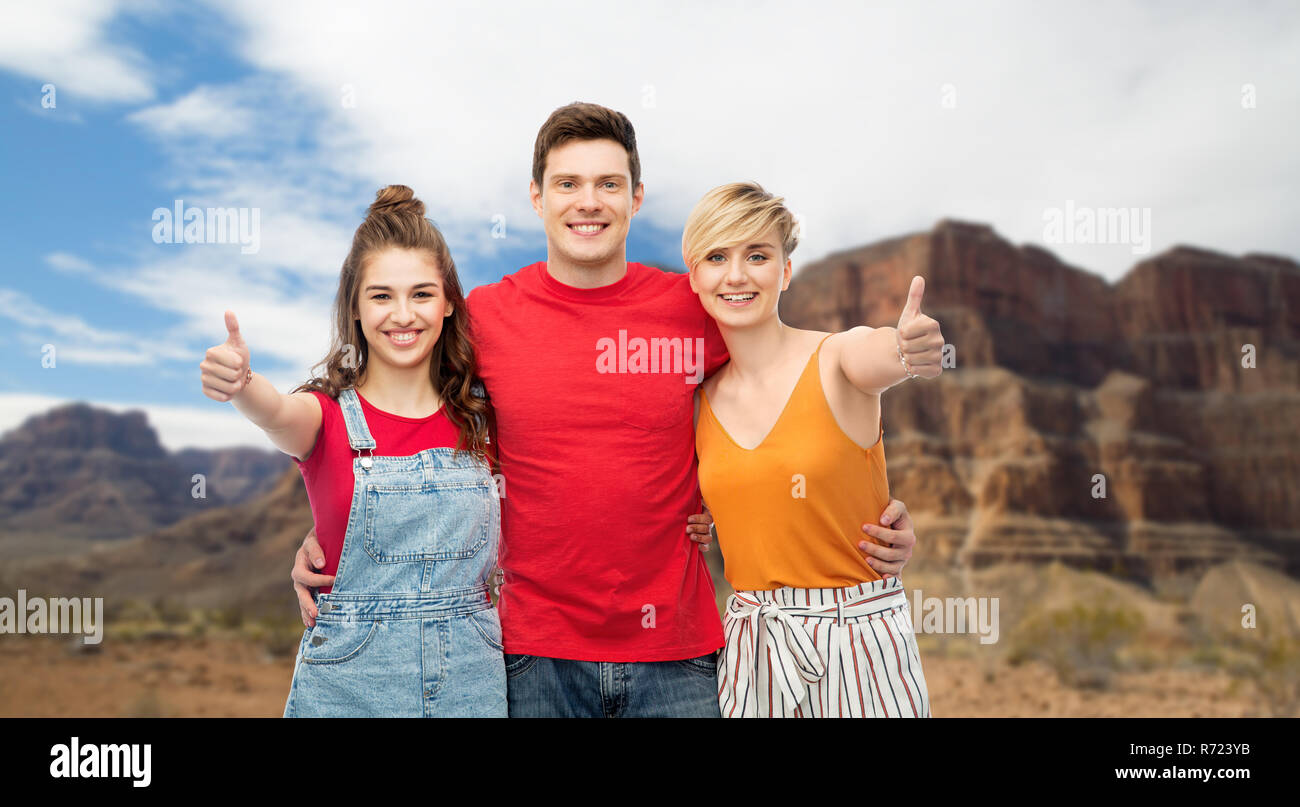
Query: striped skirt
{"points": [[821, 652]]}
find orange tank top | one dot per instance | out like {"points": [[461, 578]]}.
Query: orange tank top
{"points": [[790, 512]]}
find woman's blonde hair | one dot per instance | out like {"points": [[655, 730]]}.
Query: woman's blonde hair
{"points": [[734, 214]]}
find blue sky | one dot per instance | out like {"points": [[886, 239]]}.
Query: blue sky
{"points": [[872, 122]]}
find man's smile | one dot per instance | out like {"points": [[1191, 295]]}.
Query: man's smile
{"points": [[587, 228]]}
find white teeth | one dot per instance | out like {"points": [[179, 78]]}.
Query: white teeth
{"points": [[588, 228], [736, 298], [404, 338]]}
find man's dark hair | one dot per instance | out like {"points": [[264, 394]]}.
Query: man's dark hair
{"points": [[582, 121]]}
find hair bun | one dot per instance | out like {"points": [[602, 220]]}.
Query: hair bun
{"points": [[396, 199]]}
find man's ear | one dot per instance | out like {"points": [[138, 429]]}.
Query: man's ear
{"points": [[535, 195], [637, 196]]}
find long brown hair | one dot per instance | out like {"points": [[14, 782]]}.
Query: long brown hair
{"points": [[396, 220]]}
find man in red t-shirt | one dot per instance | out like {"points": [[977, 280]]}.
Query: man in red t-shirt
{"points": [[591, 363]]}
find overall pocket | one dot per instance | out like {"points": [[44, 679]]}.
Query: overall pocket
{"points": [[437, 521], [333, 642], [488, 625]]}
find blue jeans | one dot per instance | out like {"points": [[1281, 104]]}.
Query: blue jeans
{"points": [[537, 686]]}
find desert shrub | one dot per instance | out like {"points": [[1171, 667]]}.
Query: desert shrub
{"points": [[170, 612], [146, 704], [282, 638], [277, 635], [131, 610], [1267, 658], [230, 618], [1142, 658], [1081, 644], [1277, 675]]}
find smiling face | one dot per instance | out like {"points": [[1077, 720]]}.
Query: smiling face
{"points": [[586, 203], [401, 306], [741, 285]]}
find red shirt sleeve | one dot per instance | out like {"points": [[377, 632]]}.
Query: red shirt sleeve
{"points": [[328, 414], [469, 311]]}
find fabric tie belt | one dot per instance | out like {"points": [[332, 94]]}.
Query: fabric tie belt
{"points": [[785, 641]]}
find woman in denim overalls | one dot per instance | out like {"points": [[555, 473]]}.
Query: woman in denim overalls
{"points": [[408, 629], [402, 631]]}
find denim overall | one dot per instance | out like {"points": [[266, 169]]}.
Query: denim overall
{"points": [[408, 629]]}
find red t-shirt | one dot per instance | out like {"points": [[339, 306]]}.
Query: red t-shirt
{"points": [[596, 445], [327, 471]]}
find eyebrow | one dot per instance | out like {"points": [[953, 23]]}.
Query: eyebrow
{"points": [[602, 177], [751, 246], [390, 288]]}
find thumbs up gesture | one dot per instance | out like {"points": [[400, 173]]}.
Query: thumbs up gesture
{"points": [[920, 343], [225, 367]]}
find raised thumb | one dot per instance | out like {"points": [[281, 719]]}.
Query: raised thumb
{"points": [[914, 294], [232, 330]]}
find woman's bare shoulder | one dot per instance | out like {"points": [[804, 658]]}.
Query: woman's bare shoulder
{"points": [[812, 340], [833, 347]]}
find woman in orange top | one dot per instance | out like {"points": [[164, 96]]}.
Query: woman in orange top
{"points": [[791, 463]]}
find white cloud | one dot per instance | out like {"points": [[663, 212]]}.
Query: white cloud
{"points": [[283, 292], [287, 331], [209, 112], [68, 263], [837, 107], [277, 325], [99, 356], [63, 42], [215, 426], [76, 341]]}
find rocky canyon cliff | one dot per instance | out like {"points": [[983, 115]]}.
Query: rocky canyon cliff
{"points": [[1175, 392]]}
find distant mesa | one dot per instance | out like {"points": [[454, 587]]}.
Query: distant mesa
{"points": [[81, 473]]}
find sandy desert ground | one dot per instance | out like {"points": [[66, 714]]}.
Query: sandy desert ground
{"points": [[1071, 644], [230, 677]]}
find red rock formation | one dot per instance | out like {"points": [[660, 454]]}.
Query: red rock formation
{"points": [[81, 473], [1060, 376], [234, 555]]}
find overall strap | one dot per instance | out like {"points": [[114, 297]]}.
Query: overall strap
{"points": [[355, 420]]}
